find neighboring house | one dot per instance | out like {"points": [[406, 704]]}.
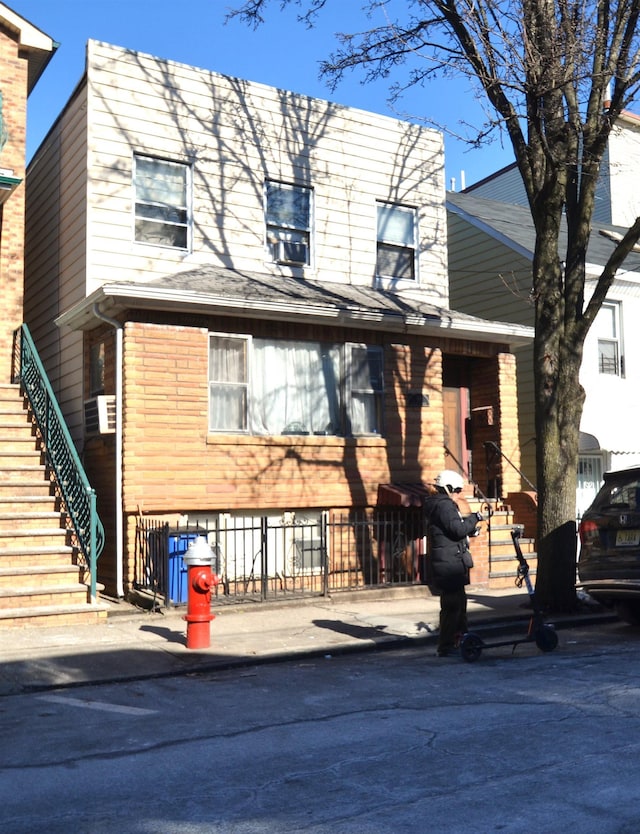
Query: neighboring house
{"points": [[25, 51], [491, 248], [617, 200], [252, 302]]}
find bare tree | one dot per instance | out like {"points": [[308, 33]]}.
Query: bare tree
{"points": [[556, 75]]}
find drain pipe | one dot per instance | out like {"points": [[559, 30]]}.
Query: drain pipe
{"points": [[119, 515]]}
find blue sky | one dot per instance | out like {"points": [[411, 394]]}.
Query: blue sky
{"points": [[282, 53]]}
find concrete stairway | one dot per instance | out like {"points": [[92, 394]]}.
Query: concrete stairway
{"points": [[40, 580]]}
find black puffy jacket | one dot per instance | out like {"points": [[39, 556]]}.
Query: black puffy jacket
{"points": [[448, 531]]}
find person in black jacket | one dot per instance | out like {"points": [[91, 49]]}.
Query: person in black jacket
{"points": [[449, 557]]}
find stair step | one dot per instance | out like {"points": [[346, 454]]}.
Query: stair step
{"points": [[14, 538], [29, 522], [43, 556], [54, 615], [46, 577], [17, 489], [36, 597]]}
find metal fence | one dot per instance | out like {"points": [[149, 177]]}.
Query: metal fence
{"points": [[264, 558]]}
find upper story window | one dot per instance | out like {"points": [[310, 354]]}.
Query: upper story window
{"points": [[275, 387], [608, 331], [396, 247], [162, 198], [288, 219]]}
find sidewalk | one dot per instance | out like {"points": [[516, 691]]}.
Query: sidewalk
{"points": [[134, 644]]}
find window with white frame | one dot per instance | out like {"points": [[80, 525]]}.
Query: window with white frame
{"points": [[288, 221], [396, 242], [364, 378], [608, 331], [275, 387], [228, 383], [162, 202]]}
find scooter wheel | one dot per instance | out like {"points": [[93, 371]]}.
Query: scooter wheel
{"points": [[471, 647], [546, 638]]}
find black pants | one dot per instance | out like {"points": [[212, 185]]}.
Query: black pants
{"points": [[453, 618]]}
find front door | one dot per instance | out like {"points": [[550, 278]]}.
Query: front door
{"points": [[455, 399]]}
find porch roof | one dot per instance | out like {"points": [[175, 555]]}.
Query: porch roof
{"points": [[222, 291], [403, 494]]}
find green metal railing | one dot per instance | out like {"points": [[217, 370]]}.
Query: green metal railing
{"points": [[77, 494]]}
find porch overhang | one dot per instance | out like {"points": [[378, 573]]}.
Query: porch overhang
{"points": [[409, 495], [277, 299]]}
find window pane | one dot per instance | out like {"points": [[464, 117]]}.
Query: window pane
{"points": [[288, 206], [608, 357], [158, 181], [227, 383], [396, 225], [295, 388], [161, 197], [366, 385], [228, 359], [395, 262]]}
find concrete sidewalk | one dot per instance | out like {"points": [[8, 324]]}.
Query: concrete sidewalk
{"points": [[134, 644]]}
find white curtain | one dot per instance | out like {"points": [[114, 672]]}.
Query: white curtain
{"points": [[295, 388]]}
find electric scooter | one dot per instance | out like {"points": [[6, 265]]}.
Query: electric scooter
{"points": [[541, 633]]}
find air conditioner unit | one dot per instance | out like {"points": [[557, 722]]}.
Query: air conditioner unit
{"points": [[290, 252], [100, 414]]}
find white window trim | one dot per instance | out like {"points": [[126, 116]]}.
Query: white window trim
{"points": [[389, 281], [349, 388], [345, 389], [249, 346], [188, 167], [310, 231], [618, 340]]}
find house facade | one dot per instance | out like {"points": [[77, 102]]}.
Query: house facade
{"points": [[491, 251], [251, 301]]}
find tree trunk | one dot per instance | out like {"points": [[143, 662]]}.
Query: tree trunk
{"points": [[559, 403]]}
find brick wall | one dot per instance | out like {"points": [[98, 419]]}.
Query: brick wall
{"points": [[12, 157], [173, 465]]}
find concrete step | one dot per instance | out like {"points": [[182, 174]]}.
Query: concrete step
{"points": [[42, 537], [18, 473], [38, 597], [37, 577], [53, 615], [35, 553], [29, 521]]}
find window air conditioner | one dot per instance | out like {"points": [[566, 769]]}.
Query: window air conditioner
{"points": [[290, 252], [100, 414]]}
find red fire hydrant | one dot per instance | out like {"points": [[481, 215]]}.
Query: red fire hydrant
{"points": [[201, 578]]}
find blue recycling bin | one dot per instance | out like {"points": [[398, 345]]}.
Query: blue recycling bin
{"points": [[177, 579]]}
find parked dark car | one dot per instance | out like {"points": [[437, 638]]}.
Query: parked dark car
{"points": [[609, 560]]}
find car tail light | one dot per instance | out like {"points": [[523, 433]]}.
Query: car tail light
{"points": [[588, 531]]}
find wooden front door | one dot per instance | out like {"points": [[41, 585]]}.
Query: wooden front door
{"points": [[455, 398]]}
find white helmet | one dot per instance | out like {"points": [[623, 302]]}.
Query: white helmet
{"points": [[450, 480]]}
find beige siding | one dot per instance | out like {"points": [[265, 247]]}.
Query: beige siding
{"points": [[237, 134], [55, 250]]}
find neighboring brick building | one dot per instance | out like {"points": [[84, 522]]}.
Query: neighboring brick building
{"points": [[24, 53], [256, 282]]}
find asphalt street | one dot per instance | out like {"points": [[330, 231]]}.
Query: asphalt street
{"points": [[370, 743]]}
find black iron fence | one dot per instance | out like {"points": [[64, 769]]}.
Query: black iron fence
{"points": [[265, 557]]}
